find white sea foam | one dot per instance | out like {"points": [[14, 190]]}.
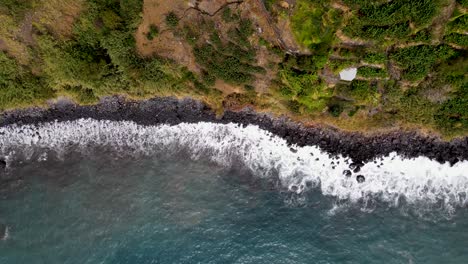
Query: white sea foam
{"points": [[412, 180]]}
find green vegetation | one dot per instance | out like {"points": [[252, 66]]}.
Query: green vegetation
{"points": [[153, 32], [233, 61], [390, 20], [411, 58], [19, 86], [314, 23], [417, 61], [172, 20], [371, 72], [300, 86], [378, 58], [458, 39]]}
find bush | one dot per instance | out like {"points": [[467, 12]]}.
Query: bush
{"points": [[153, 32], [16, 8], [380, 20], [232, 62], [417, 61], [172, 20], [458, 39], [371, 72], [314, 23], [228, 17], [362, 90], [463, 3], [459, 24], [378, 58], [18, 86], [335, 109], [423, 36], [453, 114]]}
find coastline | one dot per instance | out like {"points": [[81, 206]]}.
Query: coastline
{"points": [[172, 111]]}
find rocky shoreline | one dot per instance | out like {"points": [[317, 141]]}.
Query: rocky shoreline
{"points": [[169, 110]]}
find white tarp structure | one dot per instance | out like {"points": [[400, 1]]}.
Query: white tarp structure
{"points": [[348, 74]]}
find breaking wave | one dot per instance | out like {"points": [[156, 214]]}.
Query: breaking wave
{"points": [[392, 179]]}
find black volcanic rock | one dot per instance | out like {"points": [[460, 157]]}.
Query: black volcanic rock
{"points": [[3, 231], [360, 178], [168, 110], [347, 173]]}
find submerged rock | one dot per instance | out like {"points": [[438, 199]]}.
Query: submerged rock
{"points": [[347, 173], [360, 178], [2, 164], [3, 231], [355, 165]]}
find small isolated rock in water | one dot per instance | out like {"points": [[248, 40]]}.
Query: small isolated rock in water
{"points": [[360, 178], [3, 232], [347, 173]]}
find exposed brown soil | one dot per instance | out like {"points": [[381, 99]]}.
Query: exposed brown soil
{"points": [[26, 32], [3, 46], [166, 44], [438, 24], [264, 59]]}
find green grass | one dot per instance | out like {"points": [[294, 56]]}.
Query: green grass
{"points": [[417, 61], [314, 23], [153, 32], [377, 58], [371, 72], [458, 39], [390, 20]]}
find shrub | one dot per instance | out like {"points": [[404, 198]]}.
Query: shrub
{"points": [[172, 20], [423, 36], [371, 72], [372, 57], [18, 86], [153, 32], [228, 16], [417, 61], [314, 23], [362, 90], [335, 109], [458, 39], [380, 20], [459, 24], [453, 114]]}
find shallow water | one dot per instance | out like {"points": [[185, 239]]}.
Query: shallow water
{"points": [[95, 198]]}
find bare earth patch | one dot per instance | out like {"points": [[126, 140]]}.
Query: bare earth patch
{"points": [[166, 44]]}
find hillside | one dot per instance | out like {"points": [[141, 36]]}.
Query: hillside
{"points": [[277, 56]]}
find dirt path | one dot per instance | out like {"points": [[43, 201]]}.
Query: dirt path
{"points": [[439, 22]]}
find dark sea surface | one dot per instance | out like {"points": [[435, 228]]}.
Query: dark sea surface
{"points": [[105, 206]]}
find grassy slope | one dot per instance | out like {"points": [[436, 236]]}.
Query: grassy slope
{"points": [[411, 57]]}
